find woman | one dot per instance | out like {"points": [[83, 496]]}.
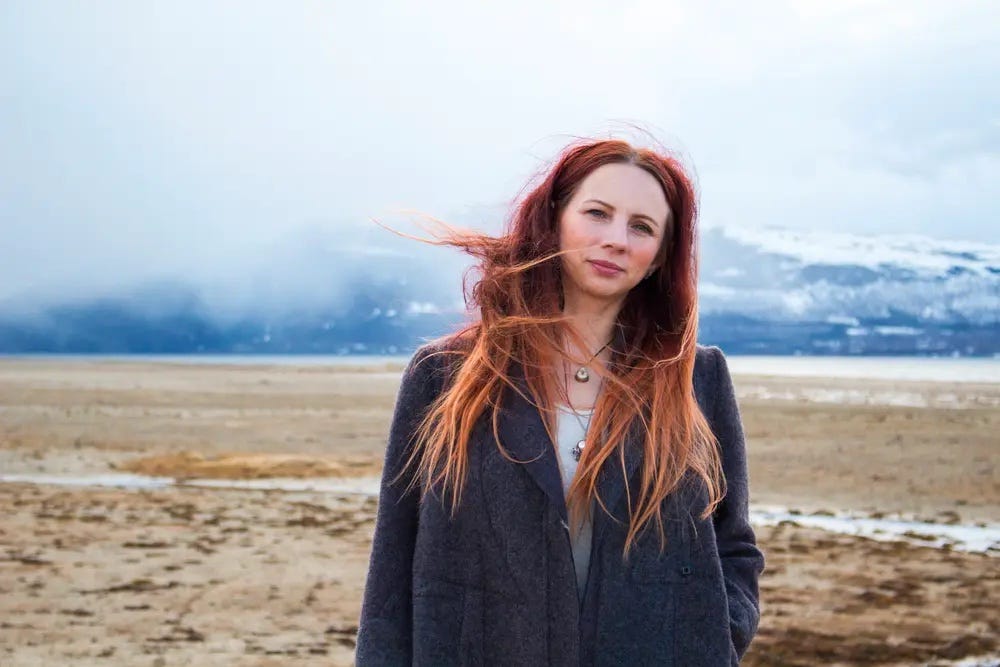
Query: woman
{"points": [[565, 481]]}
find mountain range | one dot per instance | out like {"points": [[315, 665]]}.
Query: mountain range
{"points": [[762, 291]]}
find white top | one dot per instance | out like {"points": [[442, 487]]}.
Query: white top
{"points": [[571, 430]]}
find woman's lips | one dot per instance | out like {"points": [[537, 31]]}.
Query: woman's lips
{"points": [[606, 269]]}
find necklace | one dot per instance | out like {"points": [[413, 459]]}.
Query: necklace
{"points": [[577, 450], [582, 374]]}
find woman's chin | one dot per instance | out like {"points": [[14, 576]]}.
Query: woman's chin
{"points": [[609, 293], [595, 288]]}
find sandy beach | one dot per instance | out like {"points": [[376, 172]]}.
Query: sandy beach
{"points": [[189, 575]]}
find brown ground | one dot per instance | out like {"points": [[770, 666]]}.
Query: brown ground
{"points": [[207, 576]]}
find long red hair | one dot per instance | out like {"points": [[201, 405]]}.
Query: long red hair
{"points": [[649, 378]]}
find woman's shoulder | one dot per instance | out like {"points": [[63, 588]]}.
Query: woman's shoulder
{"points": [[438, 356], [707, 359], [711, 375]]}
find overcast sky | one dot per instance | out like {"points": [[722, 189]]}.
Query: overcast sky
{"points": [[147, 139]]}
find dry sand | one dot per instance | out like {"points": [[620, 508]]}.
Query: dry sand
{"points": [[202, 576]]}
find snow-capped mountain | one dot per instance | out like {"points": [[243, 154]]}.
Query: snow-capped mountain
{"points": [[793, 275], [908, 292]]}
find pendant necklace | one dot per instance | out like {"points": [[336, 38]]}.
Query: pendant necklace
{"points": [[577, 450], [582, 374]]}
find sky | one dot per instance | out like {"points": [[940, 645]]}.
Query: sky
{"points": [[142, 140]]}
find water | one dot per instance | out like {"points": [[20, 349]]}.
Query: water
{"points": [[960, 537], [985, 370], [368, 486], [224, 359]]}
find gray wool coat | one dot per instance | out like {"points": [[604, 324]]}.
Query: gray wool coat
{"points": [[496, 585]]}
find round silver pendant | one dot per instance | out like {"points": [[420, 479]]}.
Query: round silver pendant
{"points": [[582, 375], [578, 450]]}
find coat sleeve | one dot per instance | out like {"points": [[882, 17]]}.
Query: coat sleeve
{"points": [[385, 627], [742, 561]]}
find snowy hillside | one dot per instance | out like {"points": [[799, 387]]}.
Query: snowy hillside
{"points": [[787, 275]]}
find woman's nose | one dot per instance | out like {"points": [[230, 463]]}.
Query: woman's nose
{"points": [[616, 234]]}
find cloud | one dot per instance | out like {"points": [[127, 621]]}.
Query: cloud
{"points": [[191, 140]]}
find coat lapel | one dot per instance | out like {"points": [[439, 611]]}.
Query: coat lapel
{"points": [[620, 466], [613, 479], [523, 435]]}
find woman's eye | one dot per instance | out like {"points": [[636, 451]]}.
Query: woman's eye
{"points": [[596, 212], [644, 228]]}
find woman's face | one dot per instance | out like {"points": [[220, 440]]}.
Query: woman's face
{"points": [[612, 227]]}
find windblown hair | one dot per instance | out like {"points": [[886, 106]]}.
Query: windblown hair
{"points": [[521, 325]]}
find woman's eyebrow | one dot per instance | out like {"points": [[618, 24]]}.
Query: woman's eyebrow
{"points": [[635, 215]]}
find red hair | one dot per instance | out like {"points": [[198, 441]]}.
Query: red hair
{"points": [[649, 378]]}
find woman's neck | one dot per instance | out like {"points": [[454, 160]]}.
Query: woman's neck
{"points": [[595, 322], [596, 328]]}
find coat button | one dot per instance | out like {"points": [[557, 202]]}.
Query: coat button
{"points": [[685, 570]]}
